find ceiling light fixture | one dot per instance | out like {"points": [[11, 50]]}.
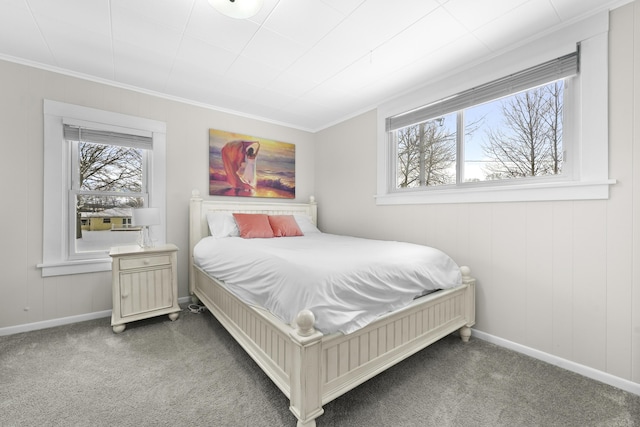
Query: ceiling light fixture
{"points": [[239, 9]]}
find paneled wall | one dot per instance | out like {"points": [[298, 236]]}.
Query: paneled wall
{"points": [[559, 277], [25, 297]]}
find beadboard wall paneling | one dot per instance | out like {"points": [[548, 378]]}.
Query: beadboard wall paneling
{"points": [[589, 285], [559, 277], [562, 281], [633, 13], [508, 287], [480, 255], [14, 162], [538, 285], [620, 208]]}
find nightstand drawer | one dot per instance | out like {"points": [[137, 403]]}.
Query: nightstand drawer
{"points": [[148, 261]]}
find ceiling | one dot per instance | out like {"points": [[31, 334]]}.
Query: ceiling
{"points": [[307, 64]]}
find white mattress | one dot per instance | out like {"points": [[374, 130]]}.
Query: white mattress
{"points": [[346, 282]]}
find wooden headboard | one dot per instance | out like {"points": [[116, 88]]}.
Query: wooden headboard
{"points": [[198, 209]]}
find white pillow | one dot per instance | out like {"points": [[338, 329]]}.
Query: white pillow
{"points": [[222, 224], [305, 224]]}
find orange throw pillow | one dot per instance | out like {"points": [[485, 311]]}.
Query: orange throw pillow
{"points": [[284, 226], [253, 226]]}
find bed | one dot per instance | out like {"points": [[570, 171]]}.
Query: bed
{"points": [[310, 367]]}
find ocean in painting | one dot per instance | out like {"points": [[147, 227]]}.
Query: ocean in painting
{"points": [[275, 168]]}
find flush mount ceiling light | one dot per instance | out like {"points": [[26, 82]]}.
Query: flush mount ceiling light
{"points": [[239, 9]]}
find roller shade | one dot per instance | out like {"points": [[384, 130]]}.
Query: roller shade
{"points": [[107, 137], [547, 72]]}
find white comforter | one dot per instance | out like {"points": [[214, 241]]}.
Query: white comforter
{"points": [[346, 282]]}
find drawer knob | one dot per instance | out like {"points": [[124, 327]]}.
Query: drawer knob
{"points": [[146, 261]]}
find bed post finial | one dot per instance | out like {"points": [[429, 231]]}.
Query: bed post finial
{"points": [[195, 194], [305, 321], [466, 274], [312, 199]]}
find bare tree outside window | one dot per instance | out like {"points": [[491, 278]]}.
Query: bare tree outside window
{"points": [[426, 154], [110, 168], [521, 136], [528, 141], [110, 181]]}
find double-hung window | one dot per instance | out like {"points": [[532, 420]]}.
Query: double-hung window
{"points": [[535, 133], [98, 167], [109, 178]]}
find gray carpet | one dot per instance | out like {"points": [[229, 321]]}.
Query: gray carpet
{"points": [[191, 373]]}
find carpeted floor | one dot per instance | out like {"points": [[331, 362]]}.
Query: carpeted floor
{"points": [[191, 373]]}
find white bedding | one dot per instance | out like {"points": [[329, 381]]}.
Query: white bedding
{"points": [[346, 282]]}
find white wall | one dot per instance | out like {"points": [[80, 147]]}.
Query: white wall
{"points": [[559, 277], [25, 297], [562, 278]]}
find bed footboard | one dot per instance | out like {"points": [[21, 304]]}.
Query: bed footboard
{"points": [[268, 343], [312, 369], [350, 360]]}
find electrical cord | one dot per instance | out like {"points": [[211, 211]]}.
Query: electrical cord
{"points": [[196, 308]]}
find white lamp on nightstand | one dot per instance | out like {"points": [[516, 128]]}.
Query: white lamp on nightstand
{"points": [[143, 218]]}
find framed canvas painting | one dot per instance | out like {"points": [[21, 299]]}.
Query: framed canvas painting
{"points": [[248, 166]]}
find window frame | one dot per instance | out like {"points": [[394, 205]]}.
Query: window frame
{"points": [[74, 189], [585, 126], [56, 259]]}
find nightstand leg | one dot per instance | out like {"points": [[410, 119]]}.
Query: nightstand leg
{"points": [[118, 328], [173, 316]]}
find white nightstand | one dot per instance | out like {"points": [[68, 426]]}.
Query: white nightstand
{"points": [[144, 283]]}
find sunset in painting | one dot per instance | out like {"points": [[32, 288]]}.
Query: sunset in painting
{"points": [[249, 166]]}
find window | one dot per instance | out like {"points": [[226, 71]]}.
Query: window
{"points": [[509, 128], [524, 135], [99, 166], [108, 179]]}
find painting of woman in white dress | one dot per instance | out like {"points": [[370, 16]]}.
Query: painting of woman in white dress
{"points": [[247, 166], [249, 175]]}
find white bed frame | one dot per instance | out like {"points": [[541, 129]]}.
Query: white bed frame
{"points": [[310, 368]]}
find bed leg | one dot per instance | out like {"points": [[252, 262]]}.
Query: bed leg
{"points": [[469, 303], [306, 388], [195, 299], [465, 333]]}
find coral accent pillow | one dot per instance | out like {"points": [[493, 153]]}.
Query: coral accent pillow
{"points": [[284, 226], [253, 226]]}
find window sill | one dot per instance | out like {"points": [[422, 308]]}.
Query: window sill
{"points": [[75, 267], [593, 190]]}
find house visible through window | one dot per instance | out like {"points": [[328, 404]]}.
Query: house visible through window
{"points": [[108, 180], [98, 167]]}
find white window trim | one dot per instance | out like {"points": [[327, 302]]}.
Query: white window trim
{"points": [[588, 161], [55, 258]]}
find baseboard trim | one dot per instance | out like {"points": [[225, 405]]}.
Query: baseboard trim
{"points": [[586, 371], [583, 370], [45, 324]]}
